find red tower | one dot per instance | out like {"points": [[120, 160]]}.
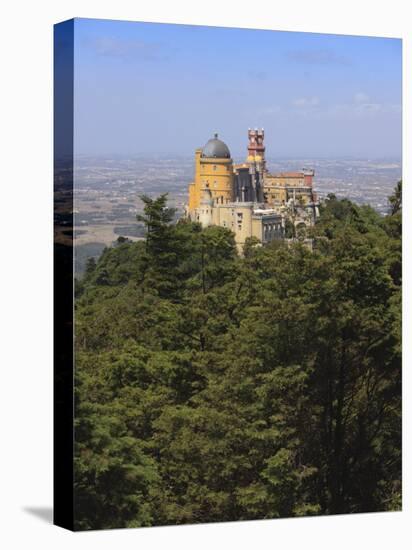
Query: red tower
{"points": [[256, 147]]}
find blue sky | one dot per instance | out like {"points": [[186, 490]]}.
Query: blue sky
{"points": [[145, 88]]}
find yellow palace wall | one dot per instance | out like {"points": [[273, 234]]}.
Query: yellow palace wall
{"points": [[214, 173]]}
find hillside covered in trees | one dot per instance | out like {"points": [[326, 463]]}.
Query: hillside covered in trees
{"points": [[214, 387]]}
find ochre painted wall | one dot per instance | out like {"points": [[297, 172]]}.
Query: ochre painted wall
{"points": [[279, 188], [215, 174]]}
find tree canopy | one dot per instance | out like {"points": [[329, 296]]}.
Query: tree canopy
{"points": [[214, 387]]}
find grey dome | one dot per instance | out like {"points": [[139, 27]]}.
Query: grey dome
{"points": [[215, 148]]}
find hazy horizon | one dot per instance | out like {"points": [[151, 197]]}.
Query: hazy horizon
{"points": [[234, 155]]}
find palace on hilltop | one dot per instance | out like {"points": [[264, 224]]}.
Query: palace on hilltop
{"points": [[248, 199]]}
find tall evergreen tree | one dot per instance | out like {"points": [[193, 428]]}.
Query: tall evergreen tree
{"points": [[215, 387]]}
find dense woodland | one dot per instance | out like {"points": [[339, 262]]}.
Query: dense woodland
{"points": [[217, 387]]}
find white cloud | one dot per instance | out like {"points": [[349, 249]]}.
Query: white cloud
{"points": [[272, 110], [361, 97], [318, 57], [109, 46], [363, 109], [369, 108], [306, 102], [362, 105]]}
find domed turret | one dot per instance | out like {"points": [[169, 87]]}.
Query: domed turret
{"points": [[214, 171], [216, 148], [205, 208]]}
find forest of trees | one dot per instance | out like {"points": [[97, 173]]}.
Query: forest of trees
{"points": [[216, 387]]}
